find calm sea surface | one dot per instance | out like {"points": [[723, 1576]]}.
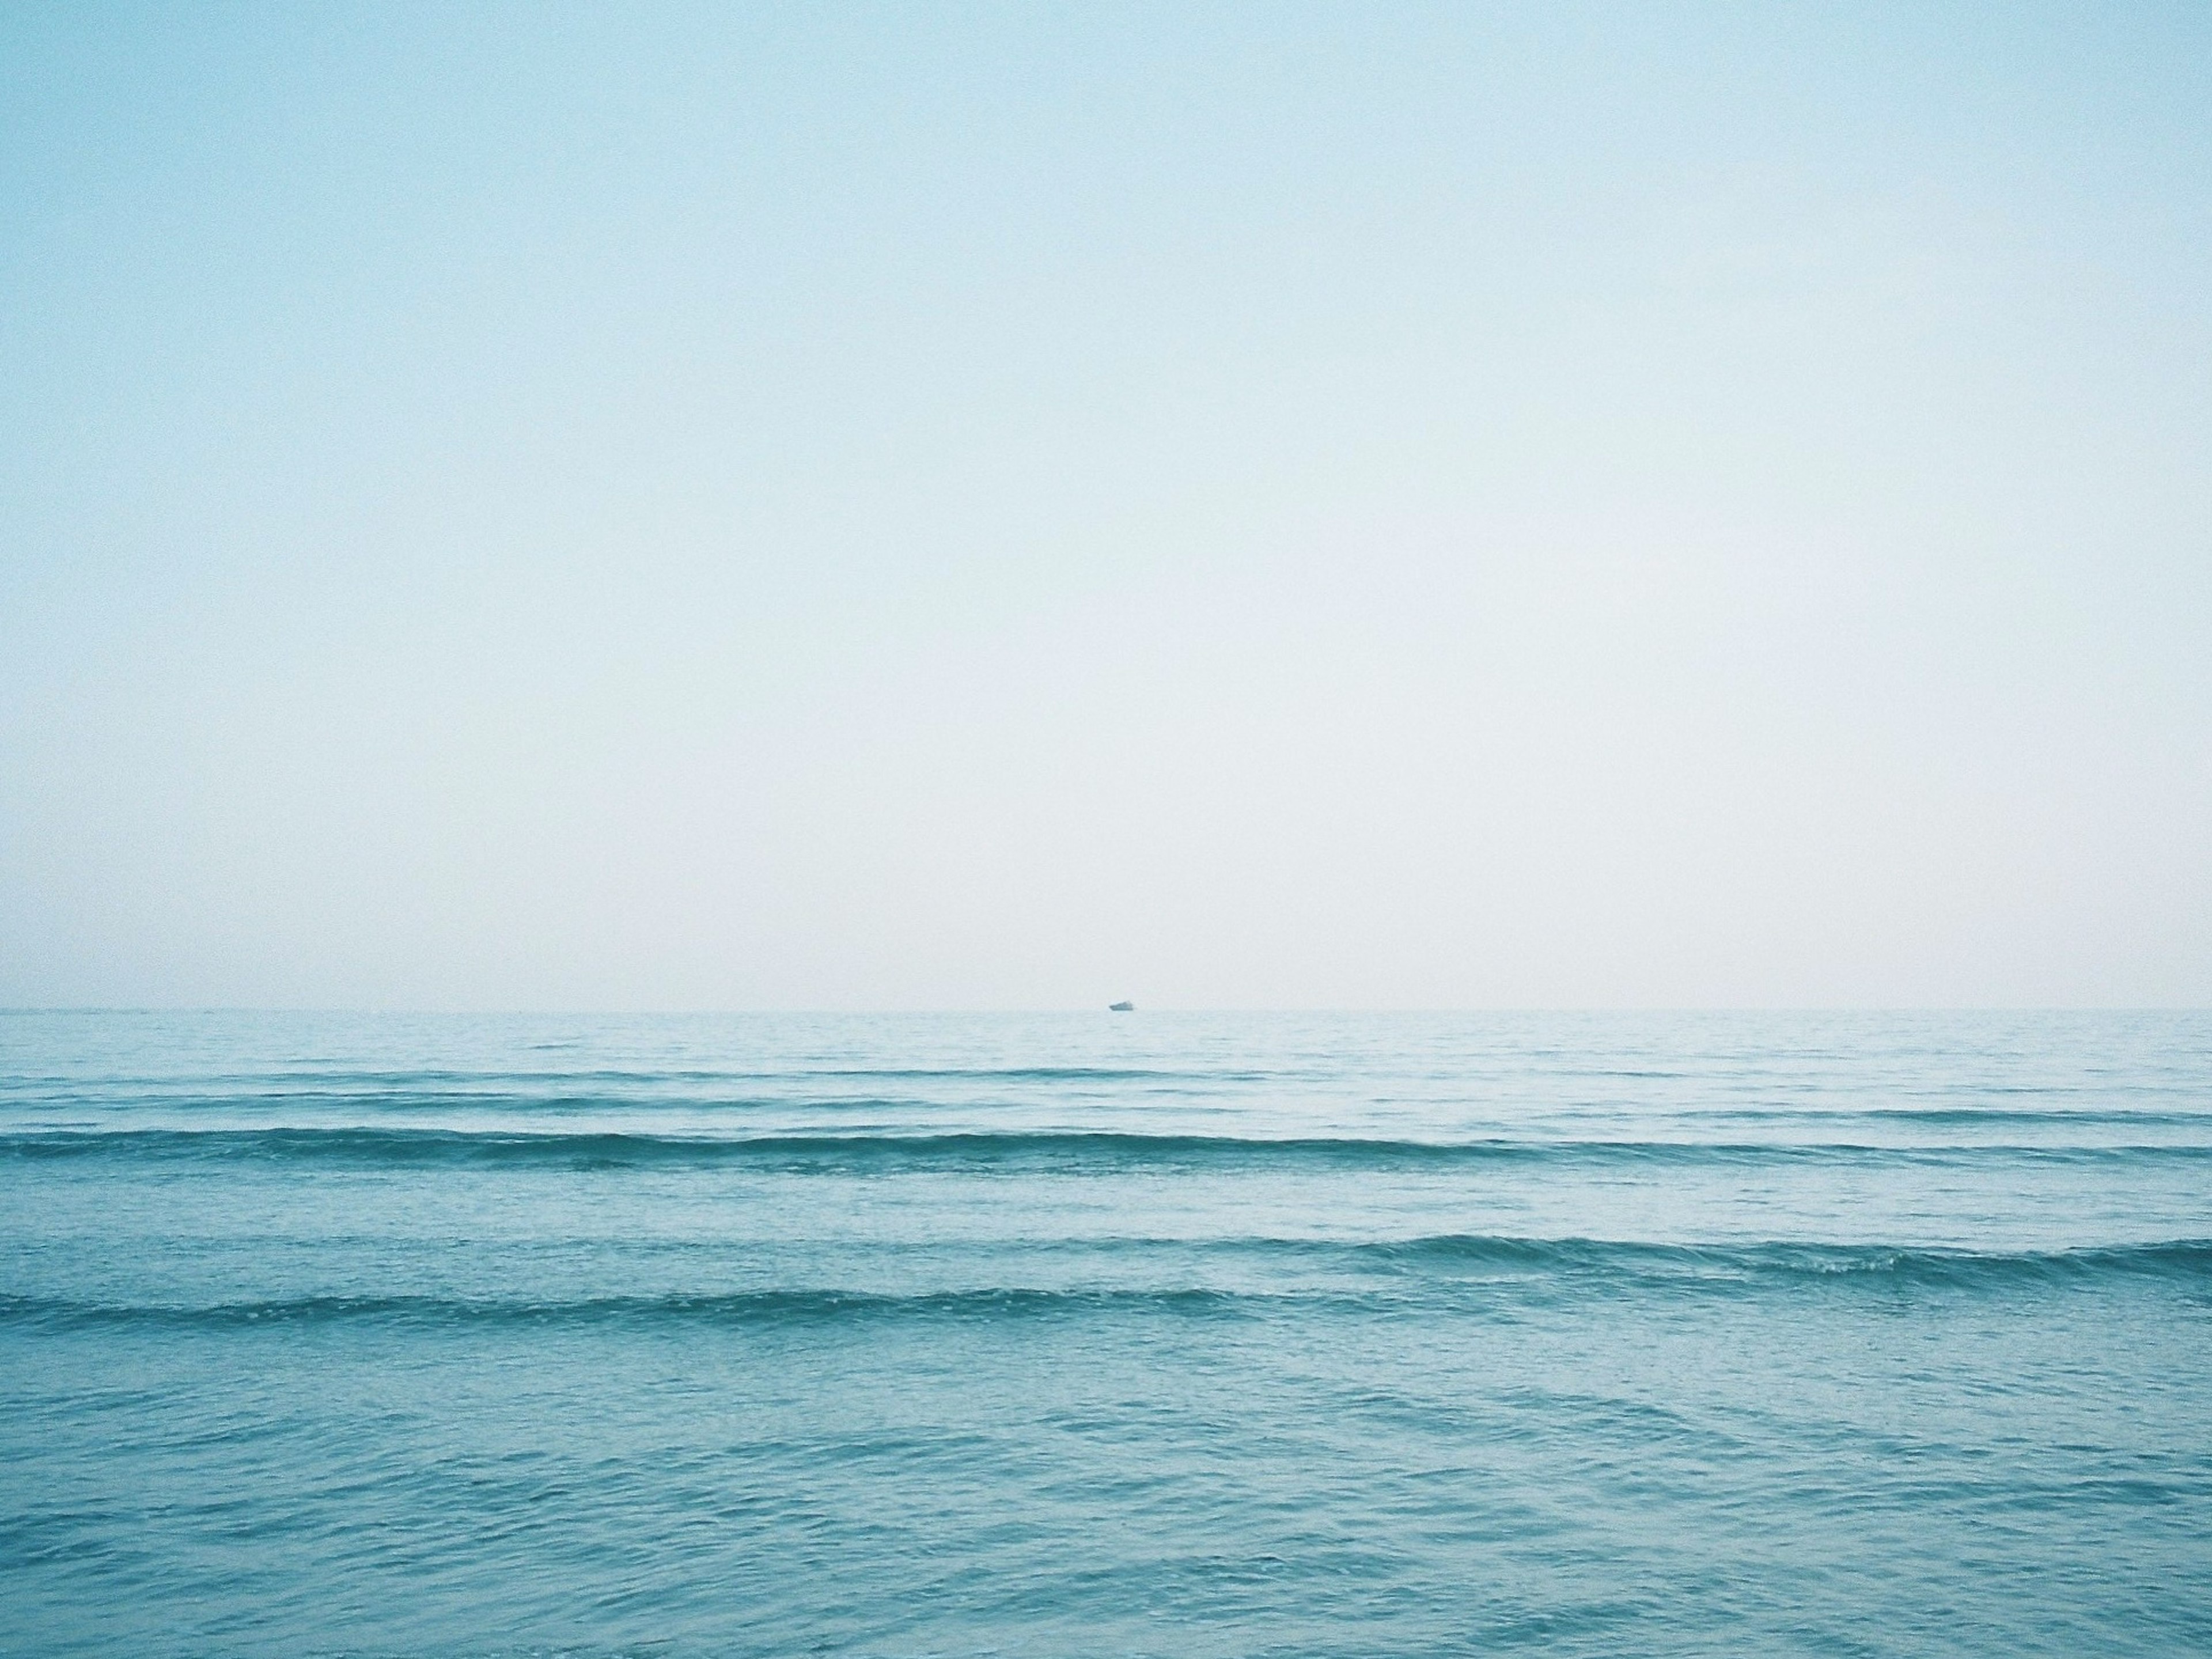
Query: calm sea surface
{"points": [[1100, 1335]]}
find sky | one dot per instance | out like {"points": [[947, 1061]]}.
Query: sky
{"points": [[1017, 506]]}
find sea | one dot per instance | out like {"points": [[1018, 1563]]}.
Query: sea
{"points": [[1100, 1333]]}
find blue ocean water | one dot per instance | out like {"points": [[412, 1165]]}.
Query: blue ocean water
{"points": [[1097, 1335]]}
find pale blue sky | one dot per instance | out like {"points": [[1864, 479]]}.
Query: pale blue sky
{"points": [[1014, 506]]}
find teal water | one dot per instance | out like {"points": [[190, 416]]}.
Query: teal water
{"points": [[1106, 1335]]}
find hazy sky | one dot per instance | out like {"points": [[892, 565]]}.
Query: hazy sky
{"points": [[965, 506]]}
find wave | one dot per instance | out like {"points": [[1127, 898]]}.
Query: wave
{"points": [[1789, 1260], [1439, 1266], [982, 1150], [483, 1080], [1965, 1117], [764, 1307]]}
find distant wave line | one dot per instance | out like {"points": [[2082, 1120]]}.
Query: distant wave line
{"points": [[1666, 1267], [1629, 1264], [415, 1147], [282, 1079], [2187, 1258], [774, 1306]]}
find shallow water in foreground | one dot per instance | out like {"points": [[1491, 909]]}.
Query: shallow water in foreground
{"points": [[1106, 1335]]}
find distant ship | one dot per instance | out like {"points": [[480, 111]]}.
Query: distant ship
{"points": [[1121, 1007]]}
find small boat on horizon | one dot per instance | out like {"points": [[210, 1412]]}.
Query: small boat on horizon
{"points": [[1121, 1007]]}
